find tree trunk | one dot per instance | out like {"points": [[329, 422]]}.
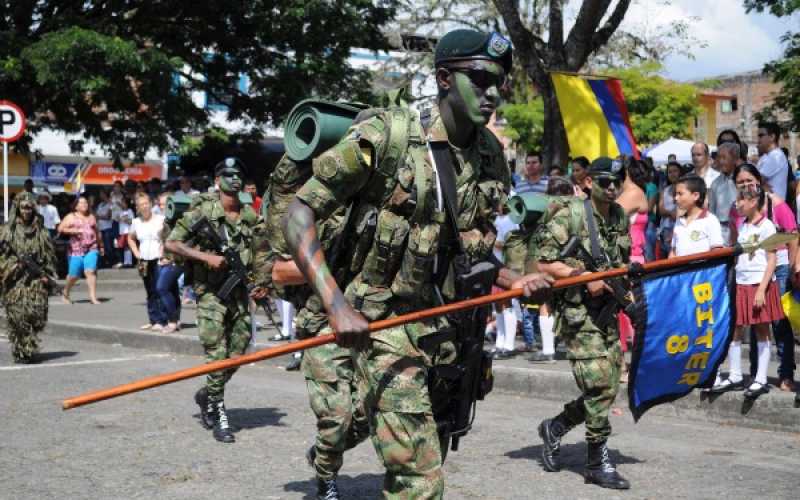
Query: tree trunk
{"points": [[556, 148]]}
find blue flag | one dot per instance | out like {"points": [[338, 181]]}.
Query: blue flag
{"points": [[687, 322]]}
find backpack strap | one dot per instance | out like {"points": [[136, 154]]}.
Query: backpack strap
{"points": [[592, 227]]}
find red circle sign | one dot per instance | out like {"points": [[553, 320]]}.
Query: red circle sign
{"points": [[12, 122]]}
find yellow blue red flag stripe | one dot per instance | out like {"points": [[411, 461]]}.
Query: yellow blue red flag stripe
{"points": [[595, 116]]}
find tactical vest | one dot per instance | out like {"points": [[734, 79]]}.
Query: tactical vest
{"points": [[400, 229], [208, 205]]}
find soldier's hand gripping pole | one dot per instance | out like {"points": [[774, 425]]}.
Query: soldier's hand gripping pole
{"points": [[770, 243]]}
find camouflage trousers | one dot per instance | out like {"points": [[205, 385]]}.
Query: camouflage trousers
{"points": [[337, 402], [26, 313], [598, 380], [224, 332], [402, 425]]}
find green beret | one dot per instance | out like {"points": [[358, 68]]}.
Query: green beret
{"points": [[229, 163], [605, 165], [464, 44], [25, 197]]}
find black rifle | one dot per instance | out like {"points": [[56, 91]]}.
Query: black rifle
{"points": [[238, 275], [33, 269], [619, 289]]}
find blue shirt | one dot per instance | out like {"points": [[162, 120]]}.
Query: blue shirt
{"points": [[525, 186]]}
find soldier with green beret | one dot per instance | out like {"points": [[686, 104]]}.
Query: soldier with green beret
{"points": [[224, 326], [402, 247], [593, 344], [24, 238]]}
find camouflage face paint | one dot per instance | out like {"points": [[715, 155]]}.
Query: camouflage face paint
{"points": [[477, 86], [230, 181]]}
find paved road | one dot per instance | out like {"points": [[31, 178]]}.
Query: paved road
{"points": [[151, 445]]}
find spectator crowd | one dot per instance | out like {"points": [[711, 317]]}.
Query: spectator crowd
{"points": [[722, 198]]}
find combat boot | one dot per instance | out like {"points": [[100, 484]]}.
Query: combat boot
{"points": [[551, 430], [600, 470], [327, 489], [222, 429], [208, 412]]}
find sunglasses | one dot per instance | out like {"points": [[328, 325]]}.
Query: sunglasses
{"points": [[481, 78], [605, 181]]}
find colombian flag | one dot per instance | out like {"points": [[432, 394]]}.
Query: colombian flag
{"points": [[595, 116]]}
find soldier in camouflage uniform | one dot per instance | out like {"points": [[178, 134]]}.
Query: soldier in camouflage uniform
{"points": [[334, 392], [594, 352], [383, 165], [25, 295], [224, 327]]}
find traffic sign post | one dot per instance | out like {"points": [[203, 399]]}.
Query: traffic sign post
{"points": [[12, 126]]}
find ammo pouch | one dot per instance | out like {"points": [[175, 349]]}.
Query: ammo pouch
{"points": [[384, 257], [416, 268]]}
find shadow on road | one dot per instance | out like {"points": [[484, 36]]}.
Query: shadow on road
{"points": [[252, 418], [573, 456], [362, 486], [44, 357]]}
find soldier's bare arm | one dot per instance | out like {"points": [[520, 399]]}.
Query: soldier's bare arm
{"points": [[301, 236]]}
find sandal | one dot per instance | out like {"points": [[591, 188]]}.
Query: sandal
{"points": [[148, 326], [280, 337], [727, 385], [170, 328], [755, 390], [65, 299]]}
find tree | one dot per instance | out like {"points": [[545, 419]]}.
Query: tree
{"points": [[558, 53], [658, 108], [124, 72], [785, 106], [525, 123]]}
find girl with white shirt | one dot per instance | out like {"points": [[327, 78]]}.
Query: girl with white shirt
{"points": [[144, 240], [757, 300]]}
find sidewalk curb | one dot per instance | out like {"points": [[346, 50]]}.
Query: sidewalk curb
{"points": [[774, 411]]}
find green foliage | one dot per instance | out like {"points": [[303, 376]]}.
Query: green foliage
{"points": [[525, 123], [785, 107], [778, 8], [110, 69], [658, 108]]}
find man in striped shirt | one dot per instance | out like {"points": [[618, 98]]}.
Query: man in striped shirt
{"points": [[534, 181]]}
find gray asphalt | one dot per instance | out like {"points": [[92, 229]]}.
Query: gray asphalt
{"points": [[151, 445]]}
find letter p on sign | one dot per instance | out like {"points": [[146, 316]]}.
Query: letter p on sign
{"points": [[12, 122]]}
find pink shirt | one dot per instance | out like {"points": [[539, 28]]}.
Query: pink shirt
{"points": [[86, 241]]}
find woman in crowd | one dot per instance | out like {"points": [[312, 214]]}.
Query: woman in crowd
{"points": [[634, 201], [124, 220], [105, 225], [667, 207], [81, 227], [780, 214], [144, 240], [169, 271]]}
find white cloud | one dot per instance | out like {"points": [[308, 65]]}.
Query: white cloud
{"points": [[736, 41]]}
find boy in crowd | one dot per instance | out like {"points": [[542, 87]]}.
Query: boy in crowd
{"points": [[697, 230]]}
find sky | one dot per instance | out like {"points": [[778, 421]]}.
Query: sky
{"points": [[736, 41]]}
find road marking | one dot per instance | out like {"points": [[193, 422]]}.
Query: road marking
{"points": [[86, 362]]}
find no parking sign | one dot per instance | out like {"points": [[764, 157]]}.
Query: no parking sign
{"points": [[12, 126], [12, 122]]}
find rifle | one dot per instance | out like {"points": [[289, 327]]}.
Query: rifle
{"points": [[622, 296], [33, 269], [770, 243], [238, 275], [471, 378]]}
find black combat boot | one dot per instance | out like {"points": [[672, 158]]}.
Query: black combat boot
{"points": [[327, 489], [600, 470], [222, 430], [551, 430], [208, 412]]}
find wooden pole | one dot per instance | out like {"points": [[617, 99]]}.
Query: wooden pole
{"points": [[272, 352]]}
